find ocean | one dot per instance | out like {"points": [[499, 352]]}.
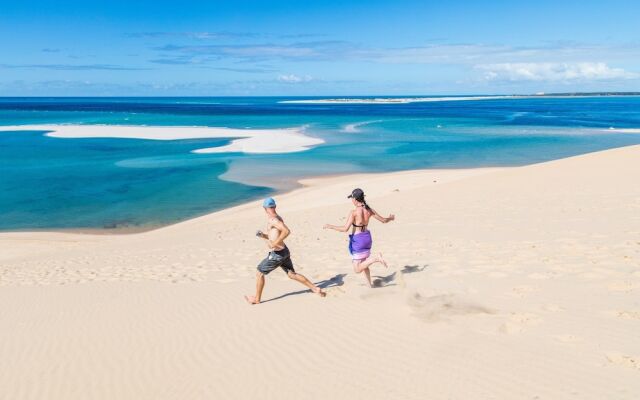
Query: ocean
{"points": [[93, 183]]}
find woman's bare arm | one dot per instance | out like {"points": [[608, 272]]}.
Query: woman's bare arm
{"points": [[382, 219], [344, 228]]}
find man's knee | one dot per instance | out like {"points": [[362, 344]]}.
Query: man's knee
{"points": [[292, 275]]}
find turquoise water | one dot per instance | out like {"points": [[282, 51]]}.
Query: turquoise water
{"points": [[53, 183]]}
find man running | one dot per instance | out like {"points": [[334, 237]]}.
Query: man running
{"points": [[279, 255]]}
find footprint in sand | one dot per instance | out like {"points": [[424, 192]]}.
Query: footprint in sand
{"points": [[522, 290], [591, 276], [622, 286], [623, 314], [624, 360], [518, 322], [568, 338], [538, 276], [552, 308]]}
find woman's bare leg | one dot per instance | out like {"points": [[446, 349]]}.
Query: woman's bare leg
{"points": [[365, 264], [367, 274], [357, 267]]}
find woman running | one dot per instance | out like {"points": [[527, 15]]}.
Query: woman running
{"points": [[360, 238]]}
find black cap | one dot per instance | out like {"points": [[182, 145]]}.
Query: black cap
{"points": [[357, 194]]}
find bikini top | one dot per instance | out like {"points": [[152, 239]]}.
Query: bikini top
{"points": [[354, 225], [364, 228]]}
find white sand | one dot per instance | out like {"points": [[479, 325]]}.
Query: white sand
{"points": [[405, 100], [623, 130], [517, 283], [398, 100], [250, 140]]}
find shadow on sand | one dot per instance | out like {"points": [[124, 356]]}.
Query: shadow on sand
{"points": [[388, 280], [337, 280]]}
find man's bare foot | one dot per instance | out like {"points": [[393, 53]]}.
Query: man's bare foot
{"points": [[251, 299], [382, 261], [320, 292]]}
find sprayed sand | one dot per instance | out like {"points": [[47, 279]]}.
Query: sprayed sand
{"points": [[515, 283]]}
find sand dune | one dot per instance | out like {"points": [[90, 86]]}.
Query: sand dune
{"points": [[512, 283]]}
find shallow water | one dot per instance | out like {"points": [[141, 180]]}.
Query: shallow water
{"points": [[58, 183]]}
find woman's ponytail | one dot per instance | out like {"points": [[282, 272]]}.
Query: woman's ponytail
{"points": [[364, 202]]}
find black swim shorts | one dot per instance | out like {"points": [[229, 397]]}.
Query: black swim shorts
{"points": [[275, 259]]}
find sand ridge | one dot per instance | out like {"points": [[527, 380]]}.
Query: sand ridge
{"points": [[503, 283]]}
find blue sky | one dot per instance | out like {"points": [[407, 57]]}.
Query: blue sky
{"points": [[217, 48]]}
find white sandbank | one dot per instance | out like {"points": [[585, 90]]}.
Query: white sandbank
{"points": [[625, 130], [398, 100], [427, 99], [248, 140]]}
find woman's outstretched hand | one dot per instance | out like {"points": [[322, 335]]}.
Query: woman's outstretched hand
{"points": [[326, 226], [391, 218]]}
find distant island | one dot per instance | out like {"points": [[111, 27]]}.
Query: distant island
{"points": [[426, 99], [588, 94]]}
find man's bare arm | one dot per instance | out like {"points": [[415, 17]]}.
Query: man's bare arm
{"points": [[284, 232]]}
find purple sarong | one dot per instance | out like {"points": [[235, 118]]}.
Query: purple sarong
{"points": [[360, 245]]}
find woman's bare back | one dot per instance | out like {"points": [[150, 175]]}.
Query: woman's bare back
{"points": [[361, 218]]}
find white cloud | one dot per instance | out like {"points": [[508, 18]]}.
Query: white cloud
{"points": [[438, 53], [553, 72], [291, 78]]}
